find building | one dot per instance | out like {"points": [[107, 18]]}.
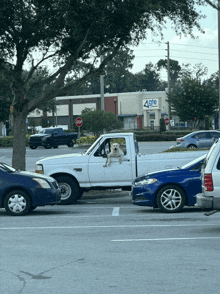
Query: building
{"points": [[137, 110]]}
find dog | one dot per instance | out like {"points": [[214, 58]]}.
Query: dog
{"points": [[115, 152]]}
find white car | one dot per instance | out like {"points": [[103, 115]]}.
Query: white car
{"points": [[210, 176]]}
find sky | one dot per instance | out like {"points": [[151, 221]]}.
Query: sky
{"points": [[186, 50]]}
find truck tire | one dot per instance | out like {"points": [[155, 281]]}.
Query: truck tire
{"points": [[171, 198], [47, 146], [69, 189], [70, 144], [81, 191]]}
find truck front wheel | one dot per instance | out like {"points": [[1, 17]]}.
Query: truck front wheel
{"points": [[69, 189], [70, 144]]}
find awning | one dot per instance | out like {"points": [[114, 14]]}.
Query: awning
{"points": [[126, 115]]}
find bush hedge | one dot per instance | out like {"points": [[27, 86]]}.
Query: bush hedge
{"points": [[8, 141], [156, 137]]}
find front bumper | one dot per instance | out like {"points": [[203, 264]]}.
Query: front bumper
{"points": [[207, 202]]}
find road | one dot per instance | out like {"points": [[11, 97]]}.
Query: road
{"points": [[104, 244]]}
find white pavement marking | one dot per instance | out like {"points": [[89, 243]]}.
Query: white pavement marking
{"points": [[115, 211], [166, 239], [104, 227]]}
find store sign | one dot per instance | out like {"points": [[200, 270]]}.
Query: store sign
{"points": [[150, 103]]}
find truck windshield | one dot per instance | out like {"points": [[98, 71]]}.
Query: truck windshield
{"points": [[47, 131], [93, 146]]}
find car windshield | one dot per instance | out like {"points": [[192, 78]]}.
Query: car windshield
{"points": [[6, 167], [195, 161]]}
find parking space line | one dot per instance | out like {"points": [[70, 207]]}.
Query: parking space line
{"points": [[166, 239], [104, 227], [115, 211]]}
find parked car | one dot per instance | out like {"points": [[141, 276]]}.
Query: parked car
{"points": [[52, 137], [200, 139], [210, 175], [169, 190], [21, 192]]}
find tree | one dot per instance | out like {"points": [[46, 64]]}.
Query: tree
{"points": [[98, 121], [175, 69], [148, 79], [35, 33], [116, 75], [5, 99], [192, 100]]}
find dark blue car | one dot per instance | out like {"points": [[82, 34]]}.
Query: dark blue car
{"points": [[21, 192], [169, 190]]}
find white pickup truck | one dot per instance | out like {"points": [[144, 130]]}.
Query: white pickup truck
{"points": [[77, 173]]}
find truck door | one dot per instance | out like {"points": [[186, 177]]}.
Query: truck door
{"points": [[114, 174]]}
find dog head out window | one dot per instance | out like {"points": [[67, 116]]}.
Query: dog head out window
{"points": [[105, 148]]}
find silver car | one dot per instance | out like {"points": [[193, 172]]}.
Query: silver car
{"points": [[200, 139]]}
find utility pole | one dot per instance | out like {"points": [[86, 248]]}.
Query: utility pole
{"points": [[102, 89], [168, 79], [219, 61]]}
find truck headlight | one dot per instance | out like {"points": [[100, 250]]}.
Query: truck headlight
{"points": [[145, 182], [39, 169], [44, 184]]}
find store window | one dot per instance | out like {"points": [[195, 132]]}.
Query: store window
{"points": [[152, 115]]}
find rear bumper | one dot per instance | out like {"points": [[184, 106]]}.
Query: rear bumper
{"points": [[207, 202]]}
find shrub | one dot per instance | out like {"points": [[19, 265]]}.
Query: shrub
{"points": [[162, 125], [86, 140]]}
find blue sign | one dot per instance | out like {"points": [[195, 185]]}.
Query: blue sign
{"points": [[151, 103]]}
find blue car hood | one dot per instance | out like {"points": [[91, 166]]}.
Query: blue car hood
{"points": [[167, 172]]}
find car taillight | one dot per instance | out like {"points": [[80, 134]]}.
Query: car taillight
{"points": [[180, 140], [208, 182]]}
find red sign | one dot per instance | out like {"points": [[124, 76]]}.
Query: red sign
{"points": [[167, 121], [79, 121]]}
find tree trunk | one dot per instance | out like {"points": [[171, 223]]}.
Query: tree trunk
{"points": [[19, 146]]}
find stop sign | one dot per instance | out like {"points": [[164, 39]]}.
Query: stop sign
{"points": [[167, 121], [79, 121]]}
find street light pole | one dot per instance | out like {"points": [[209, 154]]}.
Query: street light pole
{"points": [[115, 101], [102, 89], [219, 62]]}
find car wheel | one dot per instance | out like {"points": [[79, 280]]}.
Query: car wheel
{"points": [[191, 146], [69, 189], [55, 147], [33, 147], [171, 198], [17, 202]]}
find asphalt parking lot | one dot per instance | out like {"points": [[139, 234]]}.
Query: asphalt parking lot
{"points": [[104, 244]]}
